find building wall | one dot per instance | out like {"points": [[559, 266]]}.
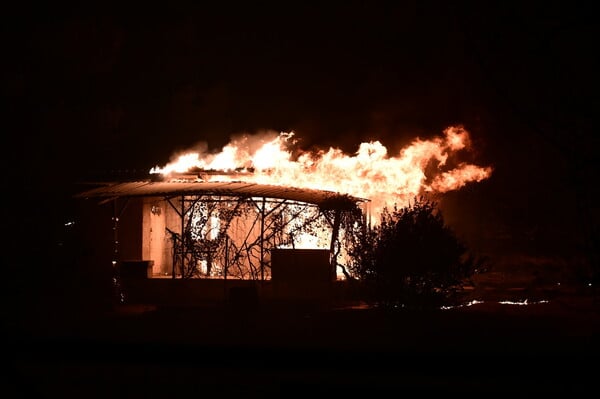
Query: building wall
{"points": [[192, 292], [148, 225], [155, 245], [200, 292], [130, 228]]}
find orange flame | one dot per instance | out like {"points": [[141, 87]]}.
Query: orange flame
{"points": [[369, 173]]}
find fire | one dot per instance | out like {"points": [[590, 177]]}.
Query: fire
{"points": [[371, 173]]}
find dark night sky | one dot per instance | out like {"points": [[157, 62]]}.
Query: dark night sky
{"points": [[122, 87]]}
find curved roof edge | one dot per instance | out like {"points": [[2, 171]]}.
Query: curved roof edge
{"points": [[323, 198]]}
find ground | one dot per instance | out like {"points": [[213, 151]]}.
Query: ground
{"points": [[295, 350]]}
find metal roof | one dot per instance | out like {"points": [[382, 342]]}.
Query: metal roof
{"points": [[324, 199]]}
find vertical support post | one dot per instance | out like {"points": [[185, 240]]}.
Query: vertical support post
{"points": [[225, 267], [262, 240], [226, 263], [115, 228], [334, 237], [182, 246], [115, 257]]}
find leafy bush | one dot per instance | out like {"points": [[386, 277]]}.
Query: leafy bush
{"points": [[411, 258]]}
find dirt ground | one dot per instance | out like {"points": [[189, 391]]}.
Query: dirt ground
{"points": [[293, 350]]}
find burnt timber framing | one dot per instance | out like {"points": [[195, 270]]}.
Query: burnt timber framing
{"points": [[267, 204]]}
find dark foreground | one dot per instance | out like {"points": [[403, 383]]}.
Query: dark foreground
{"points": [[298, 351]]}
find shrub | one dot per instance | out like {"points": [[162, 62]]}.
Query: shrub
{"points": [[411, 258]]}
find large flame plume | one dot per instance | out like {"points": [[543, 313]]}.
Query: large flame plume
{"points": [[419, 168]]}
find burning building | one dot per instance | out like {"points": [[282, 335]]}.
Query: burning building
{"points": [[257, 212], [233, 230]]}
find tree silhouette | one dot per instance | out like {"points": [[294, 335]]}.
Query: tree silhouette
{"points": [[411, 258]]}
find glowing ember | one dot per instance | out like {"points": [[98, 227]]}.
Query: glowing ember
{"points": [[421, 167]]}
